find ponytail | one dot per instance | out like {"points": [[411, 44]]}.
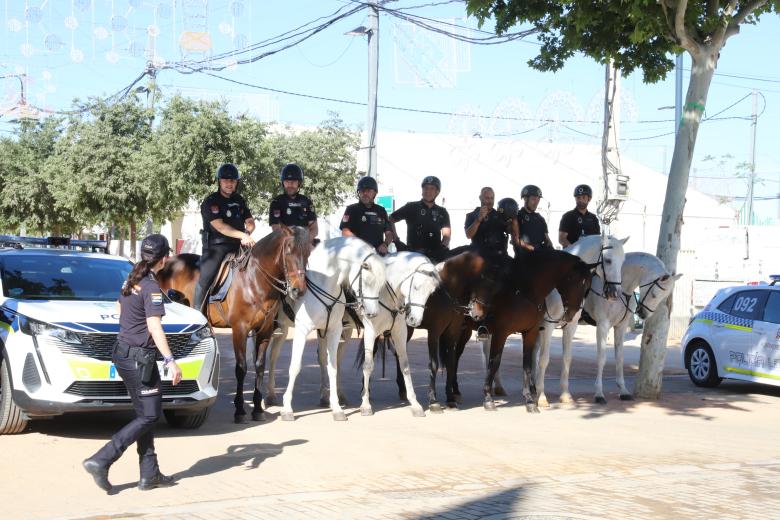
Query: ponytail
{"points": [[140, 271]]}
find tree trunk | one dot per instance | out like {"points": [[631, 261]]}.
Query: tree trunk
{"points": [[133, 236], [121, 250], [656, 330]]}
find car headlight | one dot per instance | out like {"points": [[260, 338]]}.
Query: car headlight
{"points": [[33, 327], [199, 335]]}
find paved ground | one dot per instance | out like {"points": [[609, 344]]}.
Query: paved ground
{"points": [[695, 453]]}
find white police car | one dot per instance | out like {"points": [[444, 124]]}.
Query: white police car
{"points": [[736, 336], [58, 325]]}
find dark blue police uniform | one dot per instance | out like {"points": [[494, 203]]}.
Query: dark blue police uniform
{"points": [[366, 222], [134, 345], [576, 225], [233, 211], [423, 228], [492, 235], [291, 211], [532, 227]]}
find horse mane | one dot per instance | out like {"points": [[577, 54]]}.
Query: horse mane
{"points": [[527, 264]]}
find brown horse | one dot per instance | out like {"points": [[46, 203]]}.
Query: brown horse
{"points": [[276, 267], [462, 292], [518, 306]]}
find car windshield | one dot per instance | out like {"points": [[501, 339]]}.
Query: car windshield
{"points": [[62, 277]]}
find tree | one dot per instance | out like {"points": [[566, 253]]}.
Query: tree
{"points": [[640, 34], [26, 198]]}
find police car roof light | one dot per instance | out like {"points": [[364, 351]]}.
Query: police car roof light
{"points": [[775, 278], [18, 242]]}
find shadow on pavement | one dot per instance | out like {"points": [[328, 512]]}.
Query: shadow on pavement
{"points": [[249, 455], [493, 506]]}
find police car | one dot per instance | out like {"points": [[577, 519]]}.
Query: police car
{"points": [[736, 336], [58, 326]]}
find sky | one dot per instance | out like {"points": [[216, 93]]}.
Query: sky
{"points": [[93, 48]]}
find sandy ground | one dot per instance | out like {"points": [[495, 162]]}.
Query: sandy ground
{"points": [[226, 463]]}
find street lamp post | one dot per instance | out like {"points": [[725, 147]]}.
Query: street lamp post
{"points": [[372, 32]]}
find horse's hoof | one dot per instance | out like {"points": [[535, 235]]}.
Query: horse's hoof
{"points": [[240, 418], [270, 401], [339, 416], [490, 406], [324, 402], [365, 412], [458, 398], [435, 408], [567, 399], [626, 397], [453, 405], [499, 391], [288, 416], [600, 399], [542, 402], [531, 408], [418, 412], [258, 416]]}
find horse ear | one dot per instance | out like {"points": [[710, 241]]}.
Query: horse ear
{"points": [[676, 276], [624, 240]]}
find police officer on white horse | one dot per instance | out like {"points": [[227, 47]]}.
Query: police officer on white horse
{"points": [[366, 219], [427, 224], [578, 222]]}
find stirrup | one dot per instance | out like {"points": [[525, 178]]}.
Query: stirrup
{"points": [[483, 334]]}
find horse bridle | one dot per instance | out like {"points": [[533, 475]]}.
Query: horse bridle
{"points": [[641, 302], [550, 319], [407, 305], [360, 297], [607, 283], [282, 286]]}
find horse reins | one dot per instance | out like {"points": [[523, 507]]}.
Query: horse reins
{"points": [[641, 303], [403, 309], [282, 286]]}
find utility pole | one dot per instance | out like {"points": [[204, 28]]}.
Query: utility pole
{"points": [[615, 183], [752, 179], [373, 82]]}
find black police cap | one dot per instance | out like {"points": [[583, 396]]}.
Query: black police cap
{"points": [[154, 247], [228, 171], [583, 189], [367, 183]]}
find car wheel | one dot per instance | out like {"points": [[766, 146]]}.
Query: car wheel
{"points": [[702, 367], [12, 418], [187, 420]]}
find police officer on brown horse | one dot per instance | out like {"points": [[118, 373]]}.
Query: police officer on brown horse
{"points": [[427, 224], [529, 229], [578, 222], [366, 219], [227, 225]]}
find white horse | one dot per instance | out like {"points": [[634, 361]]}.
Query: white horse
{"points": [[411, 278], [336, 265], [639, 270]]}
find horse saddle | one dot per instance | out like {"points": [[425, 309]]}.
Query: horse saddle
{"points": [[224, 279]]}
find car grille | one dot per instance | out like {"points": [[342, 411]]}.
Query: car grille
{"points": [[118, 389], [101, 346]]}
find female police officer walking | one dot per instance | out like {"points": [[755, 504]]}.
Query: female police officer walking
{"points": [[140, 337]]}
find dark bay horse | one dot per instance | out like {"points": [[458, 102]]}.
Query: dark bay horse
{"points": [[463, 292], [518, 306], [275, 268]]}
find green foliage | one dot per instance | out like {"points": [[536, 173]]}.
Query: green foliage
{"points": [[636, 34], [119, 164]]}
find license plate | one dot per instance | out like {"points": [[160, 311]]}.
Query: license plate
{"points": [[113, 374]]}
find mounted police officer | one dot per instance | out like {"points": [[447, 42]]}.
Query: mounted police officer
{"points": [[529, 229], [427, 224], [227, 225], [141, 337], [291, 208], [485, 227], [578, 222], [367, 220]]}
